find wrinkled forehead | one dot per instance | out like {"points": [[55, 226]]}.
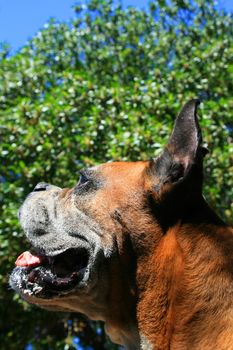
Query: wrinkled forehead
{"points": [[115, 169], [128, 172]]}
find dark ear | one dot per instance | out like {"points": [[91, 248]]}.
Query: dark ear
{"points": [[184, 148]]}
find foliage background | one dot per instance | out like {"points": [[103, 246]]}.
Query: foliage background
{"points": [[105, 86]]}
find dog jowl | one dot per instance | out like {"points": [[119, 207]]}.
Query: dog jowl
{"points": [[136, 245]]}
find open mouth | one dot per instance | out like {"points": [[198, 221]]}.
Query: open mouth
{"points": [[45, 277]]}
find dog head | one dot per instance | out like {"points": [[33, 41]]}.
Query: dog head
{"points": [[89, 242]]}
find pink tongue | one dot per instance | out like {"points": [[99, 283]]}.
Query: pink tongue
{"points": [[26, 259]]}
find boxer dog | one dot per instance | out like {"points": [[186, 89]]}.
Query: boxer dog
{"points": [[136, 245]]}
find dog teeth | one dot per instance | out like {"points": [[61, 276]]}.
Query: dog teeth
{"points": [[37, 289], [28, 292]]}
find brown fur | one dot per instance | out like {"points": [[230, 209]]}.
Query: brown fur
{"points": [[184, 278]]}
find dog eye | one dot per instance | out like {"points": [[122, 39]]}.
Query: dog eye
{"points": [[82, 180], [87, 183]]}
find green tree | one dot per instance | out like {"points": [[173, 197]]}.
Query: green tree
{"points": [[105, 86]]}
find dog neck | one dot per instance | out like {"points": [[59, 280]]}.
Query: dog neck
{"points": [[183, 289], [127, 336], [170, 292], [160, 271]]}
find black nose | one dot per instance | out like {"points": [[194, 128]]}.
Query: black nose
{"points": [[41, 186]]}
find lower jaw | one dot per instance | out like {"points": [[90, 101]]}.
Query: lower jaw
{"points": [[39, 292], [47, 286], [56, 283]]}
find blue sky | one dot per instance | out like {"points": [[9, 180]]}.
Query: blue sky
{"points": [[21, 19]]}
